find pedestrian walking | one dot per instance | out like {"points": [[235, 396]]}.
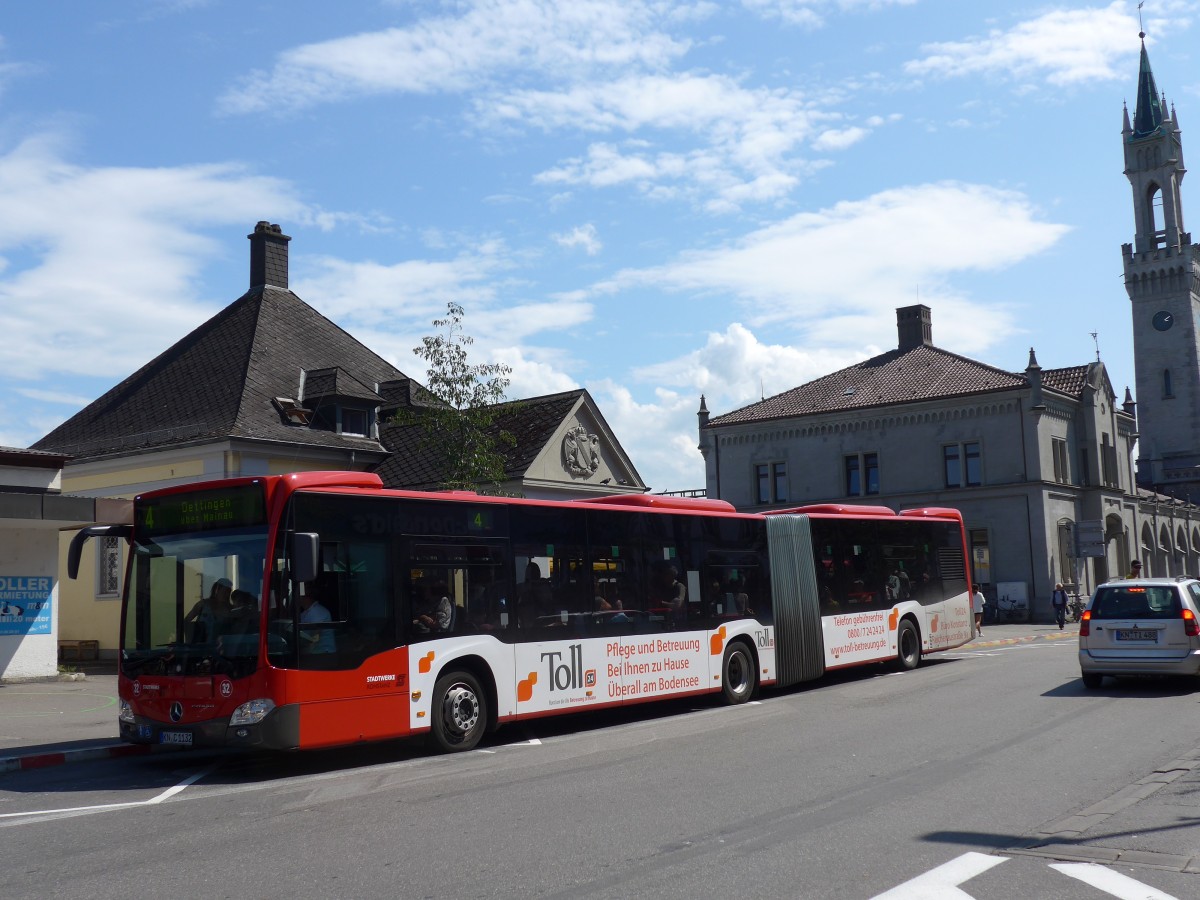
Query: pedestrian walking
{"points": [[1135, 570], [1059, 601], [977, 604]]}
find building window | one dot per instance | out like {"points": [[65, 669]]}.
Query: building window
{"points": [[1167, 389], [963, 464], [1108, 462], [1062, 471], [772, 482], [354, 421], [862, 474], [108, 566]]}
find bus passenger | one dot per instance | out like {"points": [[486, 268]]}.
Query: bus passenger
{"points": [[434, 611], [202, 619], [667, 591], [312, 612]]}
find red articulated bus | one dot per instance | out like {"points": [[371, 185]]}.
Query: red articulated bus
{"points": [[320, 609]]}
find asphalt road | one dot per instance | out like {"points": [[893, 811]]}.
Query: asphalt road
{"points": [[847, 788]]}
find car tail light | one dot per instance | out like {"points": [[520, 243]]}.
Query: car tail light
{"points": [[1085, 623], [1190, 626]]}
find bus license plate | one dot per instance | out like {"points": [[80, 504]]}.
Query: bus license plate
{"points": [[179, 738], [1138, 635]]}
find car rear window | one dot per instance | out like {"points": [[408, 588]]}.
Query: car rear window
{"points": [[1136, 603]]}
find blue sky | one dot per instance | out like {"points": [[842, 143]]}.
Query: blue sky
{"points": [[652, 200]]}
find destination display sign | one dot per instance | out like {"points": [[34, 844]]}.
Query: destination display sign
{"points": [[210, 510]]}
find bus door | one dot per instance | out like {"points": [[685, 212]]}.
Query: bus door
{"points": [[456, 601]]}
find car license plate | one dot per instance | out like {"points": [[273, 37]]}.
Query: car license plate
{"points": [[1140, 634], [181, 738]]}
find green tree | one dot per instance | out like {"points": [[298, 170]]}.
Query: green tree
{"points": [[460, 431]]}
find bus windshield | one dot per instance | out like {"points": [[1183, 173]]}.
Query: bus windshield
{"points": [[195, 584]]}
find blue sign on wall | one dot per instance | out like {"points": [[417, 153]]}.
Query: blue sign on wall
{"points": [[25, 604]]}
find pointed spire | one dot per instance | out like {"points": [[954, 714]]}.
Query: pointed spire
{"points": [[1147, 115], [1126, 128]]}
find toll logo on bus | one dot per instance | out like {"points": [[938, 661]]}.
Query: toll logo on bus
{"points": [[568, 674]]}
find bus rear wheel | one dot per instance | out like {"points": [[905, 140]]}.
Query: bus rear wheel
{"points": [[908, 646], [739, 677], [459, 712]]}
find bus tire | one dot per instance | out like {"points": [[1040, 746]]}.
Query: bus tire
{"points": [[460, 715], [739, 675], [908, 645]]}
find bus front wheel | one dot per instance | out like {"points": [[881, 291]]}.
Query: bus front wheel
{"points": [[738, 674], [459, 712], [908, 645]]}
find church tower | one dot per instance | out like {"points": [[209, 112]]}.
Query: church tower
{"points": [[1162, 278]]}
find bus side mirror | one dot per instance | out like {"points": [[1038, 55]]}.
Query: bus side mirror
{"points": [[75, 551], [306, 546]]}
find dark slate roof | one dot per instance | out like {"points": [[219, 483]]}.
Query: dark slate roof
{"points": [[532, 421], [405, 392], [219, 381], [921, 373], [337, 382]]}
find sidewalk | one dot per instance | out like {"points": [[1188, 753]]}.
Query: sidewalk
{"points": [[72, 719]]}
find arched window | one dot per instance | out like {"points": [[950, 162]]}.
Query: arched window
{"points": [[1158, 232], [1167, 391]]}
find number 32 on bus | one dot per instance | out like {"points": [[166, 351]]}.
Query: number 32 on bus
{"points": [[320, 609]]}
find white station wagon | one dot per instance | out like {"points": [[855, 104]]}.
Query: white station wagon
{"points": [[1141, 626]]}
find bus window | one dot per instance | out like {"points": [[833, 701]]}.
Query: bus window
{"points": [[355, 590], [552, 583], [455, 588]]}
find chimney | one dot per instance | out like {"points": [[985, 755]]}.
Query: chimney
{"points": [[268, 256], [915, 327]]}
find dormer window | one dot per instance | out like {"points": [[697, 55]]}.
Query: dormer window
{"points": [[341, 403], [354, 421]]}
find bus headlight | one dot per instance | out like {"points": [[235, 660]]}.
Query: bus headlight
{"points": [[125, 712], [252, 713]]}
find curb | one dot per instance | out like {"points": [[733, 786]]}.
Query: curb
{"points": [[45, 760], [1023, 639]]}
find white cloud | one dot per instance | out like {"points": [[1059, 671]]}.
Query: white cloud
{"points": [[841, 272], [748, 137], [1061, 47], [458, 53], [734, 368], [839, 138], [87, 247], [532, 377], [59, 397], [810, 13], [599, 66], [581, 236]]}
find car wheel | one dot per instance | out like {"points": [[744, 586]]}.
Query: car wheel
{"points": [[1091, 680], [908, 645], [459, 713]]}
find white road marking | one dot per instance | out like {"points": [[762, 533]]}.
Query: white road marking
{"points": [[942, 883], [103, 807], [1114, 883]]}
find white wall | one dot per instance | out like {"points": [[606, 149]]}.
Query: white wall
{"points": [[30, 551]]}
